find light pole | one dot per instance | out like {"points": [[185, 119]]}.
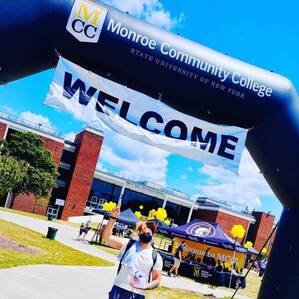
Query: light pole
{"points": [[247, 245], [237, 231], [122, 193]]}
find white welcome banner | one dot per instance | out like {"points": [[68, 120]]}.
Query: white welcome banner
{"points": [[104, 103]]}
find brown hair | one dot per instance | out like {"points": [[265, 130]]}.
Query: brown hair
{"points": [[141, 225]]}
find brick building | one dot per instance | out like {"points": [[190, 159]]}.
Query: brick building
{"points": [[259, 232], [76, 162], [82, 188], [222, 213], [258, 225]]}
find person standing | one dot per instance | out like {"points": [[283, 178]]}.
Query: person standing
{"points": [[263, 266], [177, 259], [84, 229], [87, 228], [81, 231], [140, 265]]}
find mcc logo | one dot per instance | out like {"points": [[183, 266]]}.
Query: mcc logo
{"points": [[86, 21]]}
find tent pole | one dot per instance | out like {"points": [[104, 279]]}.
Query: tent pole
{"points": [[231, 270]]}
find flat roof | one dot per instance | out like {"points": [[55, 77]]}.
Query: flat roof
{"points": [[18, 123], [150, 189], [226, 210], [163, 192]]}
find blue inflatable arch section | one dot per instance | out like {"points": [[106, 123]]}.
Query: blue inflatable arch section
{"points": [[185, 75]]}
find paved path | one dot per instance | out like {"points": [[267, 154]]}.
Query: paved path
{"points": [[64, 282]]}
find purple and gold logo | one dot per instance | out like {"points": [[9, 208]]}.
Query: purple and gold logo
{"points": [[201, 229]]}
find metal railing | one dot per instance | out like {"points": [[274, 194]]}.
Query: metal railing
{"points": [[140, 183], [32, 125]]}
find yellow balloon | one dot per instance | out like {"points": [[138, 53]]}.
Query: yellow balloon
{"points": [[151, 214], [238, 231], [138, 214], [248, 245], [109, 206], [161, 214], [264, 251], [167, 222]]}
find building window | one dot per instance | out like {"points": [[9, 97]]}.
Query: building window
{"points": [[178, 213], [131, 199]]}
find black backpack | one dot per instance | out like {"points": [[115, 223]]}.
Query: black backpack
{"points": [[129, 245]]}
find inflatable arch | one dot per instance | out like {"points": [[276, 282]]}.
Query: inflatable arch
{"points": [[187, 76]]}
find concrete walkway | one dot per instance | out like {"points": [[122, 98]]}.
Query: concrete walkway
{"points": [[64, 282]]}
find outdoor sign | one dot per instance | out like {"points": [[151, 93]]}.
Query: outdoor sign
{"points": [[86, 21], [59, 202], [199, 249], [104, 103]]}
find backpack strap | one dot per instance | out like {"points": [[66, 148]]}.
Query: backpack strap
{"points": [[155, 257], [129, 245]]}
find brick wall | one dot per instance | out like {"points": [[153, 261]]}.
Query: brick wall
{"points": [[56, 148], [260, 231], [3, 127], [87, 153], [270, 245], [26, 202]]}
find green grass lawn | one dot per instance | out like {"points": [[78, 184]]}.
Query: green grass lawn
{"points": [[41, 217], [253, 284], [50, 252], [167, 293], [108, 249]]}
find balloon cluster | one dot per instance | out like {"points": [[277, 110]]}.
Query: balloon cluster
{"points": [[264, 251], [161, 214], [152, 214], [248, 245], [238, 231], [138, 214], [109, 206], [167, 222]]}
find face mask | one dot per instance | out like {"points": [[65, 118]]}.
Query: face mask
{"points": [[145, 237]]}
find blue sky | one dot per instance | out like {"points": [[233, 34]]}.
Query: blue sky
{"points": [[259, 32]]}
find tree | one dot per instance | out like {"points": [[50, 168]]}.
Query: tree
{"points": [[40, 176], [40, 202], [12, 173]]}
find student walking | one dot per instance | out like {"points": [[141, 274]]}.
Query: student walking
{"points": [[84, 229], [140, 264], [177, 259]]}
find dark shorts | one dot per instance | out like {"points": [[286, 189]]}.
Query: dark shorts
{"points": [[119, 293]]}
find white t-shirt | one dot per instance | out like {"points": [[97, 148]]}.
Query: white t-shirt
{"points": [[142, 263]]}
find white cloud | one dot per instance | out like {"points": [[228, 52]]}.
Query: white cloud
{"points": [[70, 136], [244, 189], [6, 109], [183, 177], [138, 160], [152, 11], [37, 119], [101, 167]]}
